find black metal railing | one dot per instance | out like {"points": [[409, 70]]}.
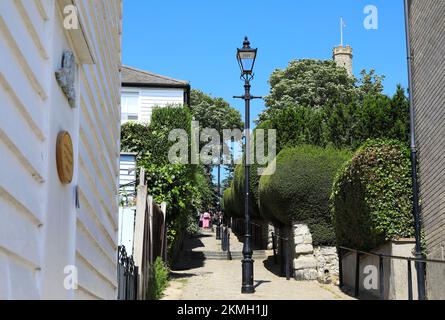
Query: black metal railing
{"points": [[218, 229], [382, 257], [225, 241], [127, 275], [257, 234], [284, 255]]}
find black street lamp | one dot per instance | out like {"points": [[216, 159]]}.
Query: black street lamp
{"points": [[246, 58], [218, 221]]}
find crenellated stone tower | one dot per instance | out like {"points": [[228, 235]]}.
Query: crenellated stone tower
{"points": [[343, 57]]}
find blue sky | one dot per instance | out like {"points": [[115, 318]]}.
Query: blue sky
{"points": [[196, 40]]}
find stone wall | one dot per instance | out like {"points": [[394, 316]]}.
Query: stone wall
{"points": [[320, 263], [327, 264]]}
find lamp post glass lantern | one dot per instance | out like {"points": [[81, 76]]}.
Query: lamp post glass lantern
{"points": [[246, 57]]}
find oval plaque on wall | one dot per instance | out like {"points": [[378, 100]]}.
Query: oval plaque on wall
{"points": [[65, 157]]}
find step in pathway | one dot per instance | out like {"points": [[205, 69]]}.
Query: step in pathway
{"points": [[203, 272]]}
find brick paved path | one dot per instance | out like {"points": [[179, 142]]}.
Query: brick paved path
{"points": [[197, 279]]}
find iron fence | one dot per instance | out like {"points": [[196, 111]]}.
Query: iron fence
{"points": [[257, 233], [283, 254], [127, 274], [381, 257]]}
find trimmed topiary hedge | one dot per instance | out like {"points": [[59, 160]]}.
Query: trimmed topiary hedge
{"points": [[299, 190], [239, 176], [371, 198], [239, 190], [230, 208]]}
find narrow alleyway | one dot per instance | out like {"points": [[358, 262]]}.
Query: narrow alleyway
{"points": [[204, 274]]}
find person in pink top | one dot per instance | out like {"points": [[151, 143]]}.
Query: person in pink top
{"points": [[206, 220]]}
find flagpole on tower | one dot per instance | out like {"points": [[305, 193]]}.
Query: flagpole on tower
{"points": [[341, 31]]}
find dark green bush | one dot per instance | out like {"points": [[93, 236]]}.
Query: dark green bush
{"points": [[158, 279], [371, 198], [299, 189], [238, 187], [239, 191], [230, 208]]}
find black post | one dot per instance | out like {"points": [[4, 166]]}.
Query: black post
{"points": [[218, 221], [340, 267], [416, 209], [229, 254], [274, 247], [381, 278], [282, 258], [246, 59], [135, 286], [287, 258], [223, 239], [357, 274], [247, 263], [410, 282]]}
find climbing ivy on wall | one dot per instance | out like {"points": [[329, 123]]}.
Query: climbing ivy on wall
{"points": [[371, 200]]}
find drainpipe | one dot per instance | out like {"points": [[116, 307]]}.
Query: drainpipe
{"points": [[187, 96], [420, 266]]}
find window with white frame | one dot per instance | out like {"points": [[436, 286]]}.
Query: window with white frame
{"points": [[129, 106]]}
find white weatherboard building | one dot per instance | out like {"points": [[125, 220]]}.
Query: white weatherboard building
{"points": [[127, 192], [58, 198], [143, 90]]}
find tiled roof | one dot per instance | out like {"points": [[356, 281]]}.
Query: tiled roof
{"points": [[132, 76]]}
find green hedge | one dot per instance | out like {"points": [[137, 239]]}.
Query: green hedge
{"points": [[230, 209], [238, 187], [371, 198], [300, 188], [239, 191]]}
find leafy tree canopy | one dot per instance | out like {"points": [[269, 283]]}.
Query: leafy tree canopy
{"points": [[214, 113], [316, 84], [316, 102], [185, 188]]}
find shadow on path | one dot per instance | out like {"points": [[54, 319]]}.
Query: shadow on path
{"points": [[194, 242], [260, 282], [181, 275], [184, 261], [270, 265], [188, 264]]}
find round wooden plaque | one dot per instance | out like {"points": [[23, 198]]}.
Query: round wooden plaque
{"points": [[65, 157]]}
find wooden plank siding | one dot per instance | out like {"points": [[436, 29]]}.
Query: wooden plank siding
{"points": [[41, 230], [97, 219]]}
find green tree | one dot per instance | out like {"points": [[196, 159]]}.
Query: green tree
{"points": [[370, 83], [311, 83], [311, 102], [214, 113], [186, 188]]}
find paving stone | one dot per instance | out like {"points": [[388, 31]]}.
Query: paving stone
{"points": [[221, 280]]}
